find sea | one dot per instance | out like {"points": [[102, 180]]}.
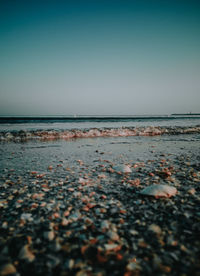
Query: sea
{"points": [[34, 143], [60, 123]]}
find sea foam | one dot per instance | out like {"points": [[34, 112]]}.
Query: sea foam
{"points": [[94, 132]]}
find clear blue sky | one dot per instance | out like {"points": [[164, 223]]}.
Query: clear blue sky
{"points": [[99, 57]]}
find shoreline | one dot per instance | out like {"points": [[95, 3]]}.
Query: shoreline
{"points": [[51, 134]]}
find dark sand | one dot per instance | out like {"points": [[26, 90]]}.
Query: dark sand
{"points": [[64, 211]]}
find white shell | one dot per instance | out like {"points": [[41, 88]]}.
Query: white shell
{"points": [[159, 191], [122, 168]]}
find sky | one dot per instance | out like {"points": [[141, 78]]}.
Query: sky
{"points": [[96, 57]]}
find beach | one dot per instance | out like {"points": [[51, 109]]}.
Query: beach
{"points": [[76, 206], [99, 138]]}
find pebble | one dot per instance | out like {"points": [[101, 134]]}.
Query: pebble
{"points": [[7, 269], [26, 254], [155, 228], [65, 222], [191, 191], [69, 264], [27, 217], [5, 225], [86, 221], [133, 266], [49, 235], [134, 232], [104, 225], [110, 246], [113, 235]]}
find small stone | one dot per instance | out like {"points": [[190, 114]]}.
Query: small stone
{"points": [[122, 169], [70, 189], [5, 225], [27, 217], [171, 241], [69, 264], [26, 254], [134, 182], [134, 232], [142, 243], [56, 245], [132, 266], [49, 235], [7, 269], [82, 273], [101, 176], [65, 222], [80, 162], [191, 191], [113, 236], [156, 261], [75, 216], [164, 268], [183, 248], [104, 225], [111, 246], [52, 261], [155, 228]]}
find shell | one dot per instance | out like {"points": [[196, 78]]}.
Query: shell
{"points": [[122, 169], [159, 191]]}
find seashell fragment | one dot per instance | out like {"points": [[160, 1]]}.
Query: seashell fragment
{"points": [[122, 169], [159, 191]]}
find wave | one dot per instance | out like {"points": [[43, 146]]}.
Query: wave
{"points": [[46, 135]]}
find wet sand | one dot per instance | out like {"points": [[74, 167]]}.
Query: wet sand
{"points": [[66, 210]]}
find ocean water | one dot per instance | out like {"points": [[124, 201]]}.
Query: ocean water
{"points": [[37, 144], [84, 122]]}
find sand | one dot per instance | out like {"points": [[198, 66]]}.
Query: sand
{"points": [[65, 210]]}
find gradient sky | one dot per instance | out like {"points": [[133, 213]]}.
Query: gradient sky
{"points": [[99, 57]]}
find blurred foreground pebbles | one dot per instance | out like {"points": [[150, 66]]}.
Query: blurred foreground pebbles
{"points": [[102, 219]]}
